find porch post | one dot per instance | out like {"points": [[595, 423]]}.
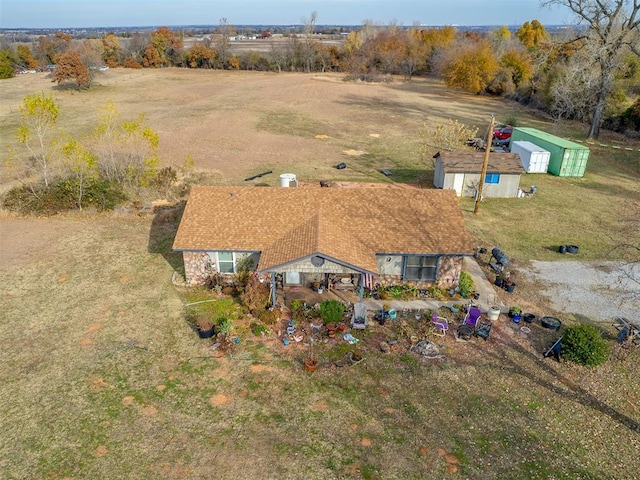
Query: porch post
{"points": [[273, 289], [361, 289]]}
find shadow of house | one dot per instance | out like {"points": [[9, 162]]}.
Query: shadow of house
{"points": [[163, 232], [546, 375]]}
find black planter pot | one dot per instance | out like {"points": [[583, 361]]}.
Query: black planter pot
{"points": [[499, 282], [205, 333], [552, 323], [529, 317], [509, 288]]}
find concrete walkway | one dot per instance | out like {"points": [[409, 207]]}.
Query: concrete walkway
{"points": [[482, 286]]}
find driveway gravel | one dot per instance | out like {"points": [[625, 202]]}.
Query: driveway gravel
{"points": [[599, 290]]}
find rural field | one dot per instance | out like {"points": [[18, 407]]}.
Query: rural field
{"points": [[101, 376]]}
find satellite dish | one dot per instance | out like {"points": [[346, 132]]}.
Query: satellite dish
{"points": [[317, 261]]}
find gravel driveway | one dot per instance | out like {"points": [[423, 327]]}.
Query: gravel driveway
{"points": [[596, 290]]}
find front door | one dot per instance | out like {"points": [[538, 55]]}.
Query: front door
{"points": [[292, 278]]}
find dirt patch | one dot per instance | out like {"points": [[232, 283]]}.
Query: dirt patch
{"points": [[259, 368], [101, 451], [97, 384], [353, 153], [220, 399], [150, 411]]}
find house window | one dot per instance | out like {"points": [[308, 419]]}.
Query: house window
{"points": [[226, 262], [421, 268], [492, 178]]}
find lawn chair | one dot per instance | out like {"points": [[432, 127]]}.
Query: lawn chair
{"points": [[483, 328], [359, 317], [472, 317], [440, 324], [468, 327]]}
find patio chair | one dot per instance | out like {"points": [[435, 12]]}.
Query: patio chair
{"points": [[472, 317], [440, 324], [359, 317], [468, 327]]}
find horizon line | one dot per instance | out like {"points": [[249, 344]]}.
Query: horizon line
{"points": [[265, 25]]}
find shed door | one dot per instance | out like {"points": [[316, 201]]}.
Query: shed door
{"points": [[458, 183]]}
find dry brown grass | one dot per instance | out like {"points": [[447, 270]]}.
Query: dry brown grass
{"points": [[101, 377]]}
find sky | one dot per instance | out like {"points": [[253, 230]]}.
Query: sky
{"points": [[125, 13]]}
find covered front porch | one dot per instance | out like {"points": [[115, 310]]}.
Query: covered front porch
{"points": [[311, 296], [315, 278]]}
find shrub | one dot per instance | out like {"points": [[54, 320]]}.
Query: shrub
{"points": [[255, 295], [584, 344], [63, 195], [436, 292], [268, 317], [259, 329], [225, 324], [465, 285], [331, 311]]}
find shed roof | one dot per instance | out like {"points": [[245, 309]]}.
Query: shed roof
{"points": [[350, 225], [561, 142], [472, 162]]}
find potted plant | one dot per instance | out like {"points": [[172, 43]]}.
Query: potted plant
{"points": [[311, 362], [514, 310], [355, 356], [494, 311], [331, 311], [205, 327], [509, 283]]}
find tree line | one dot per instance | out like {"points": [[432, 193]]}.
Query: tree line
{"points": [[590, 73]]}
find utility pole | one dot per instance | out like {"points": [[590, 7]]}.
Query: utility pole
{"points": [[487, 149]]}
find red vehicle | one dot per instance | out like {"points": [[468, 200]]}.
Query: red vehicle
{"points": [[503, 133]]}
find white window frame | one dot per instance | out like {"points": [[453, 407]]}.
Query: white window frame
{"points": [[233, 259]]}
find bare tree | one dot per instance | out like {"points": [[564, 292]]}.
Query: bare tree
{"points": [[308, 50], [612, 30], [225, 31], [573, 90]]}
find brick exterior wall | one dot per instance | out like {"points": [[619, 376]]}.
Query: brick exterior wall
{"points": [[197, 267]]}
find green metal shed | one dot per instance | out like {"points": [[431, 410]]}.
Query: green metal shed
{"points": [[568, 159]]}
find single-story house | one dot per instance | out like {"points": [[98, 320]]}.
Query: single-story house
{"points": [[461, 172], [355, 236]]}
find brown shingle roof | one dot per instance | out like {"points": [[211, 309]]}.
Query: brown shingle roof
{"points": [[472, 162], [348, 224]]}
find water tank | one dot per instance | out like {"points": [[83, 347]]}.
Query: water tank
{"points": [[288, 180]]}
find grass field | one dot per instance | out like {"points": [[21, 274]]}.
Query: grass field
{"points": [[101, 376]]}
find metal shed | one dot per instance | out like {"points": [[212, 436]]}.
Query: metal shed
{"points": [[567, 159], [534, 159]]}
